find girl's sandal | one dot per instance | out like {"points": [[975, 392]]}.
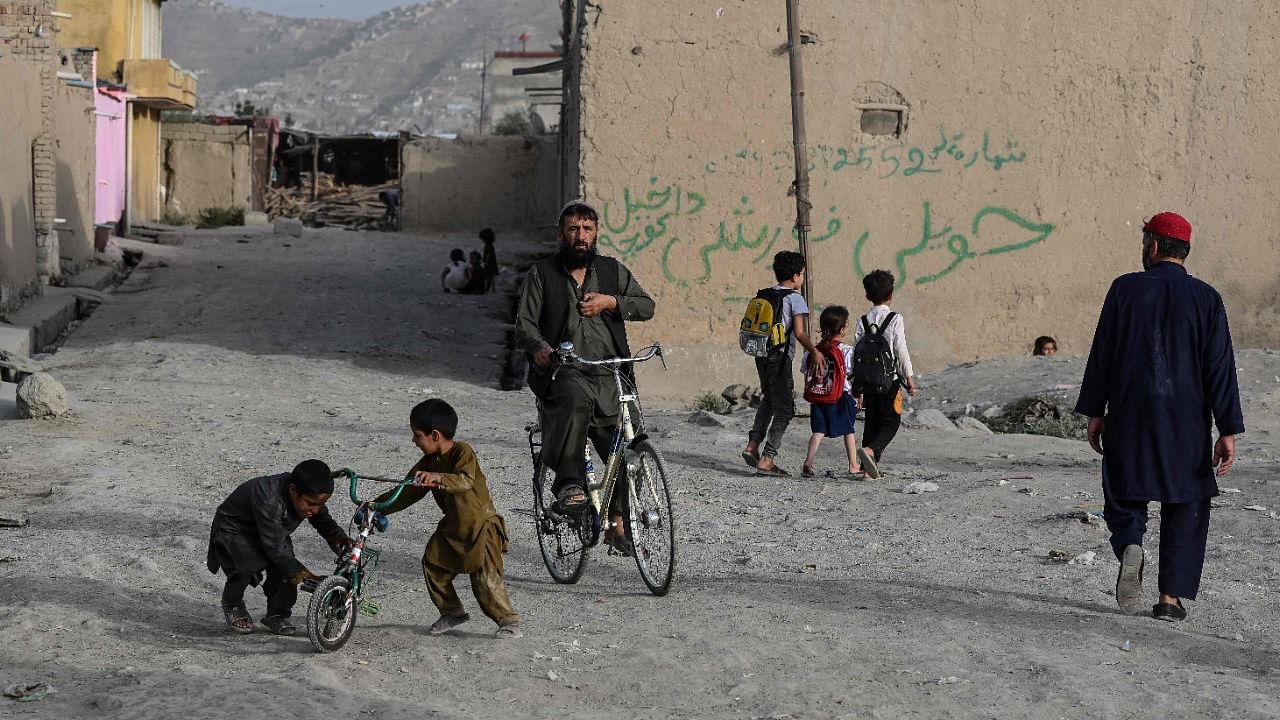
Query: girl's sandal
{"points": [[238, 619], [806, 471]]}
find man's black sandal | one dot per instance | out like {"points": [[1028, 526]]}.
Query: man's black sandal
{"points": [[238, 618], [1169, 611], [571, 498]]}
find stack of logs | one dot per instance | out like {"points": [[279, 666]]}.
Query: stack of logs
{"points": [[355, 207]]}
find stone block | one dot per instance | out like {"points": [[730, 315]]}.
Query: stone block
{"points": [[288, 226], [15, 339], [94, 278], [47, 316]]}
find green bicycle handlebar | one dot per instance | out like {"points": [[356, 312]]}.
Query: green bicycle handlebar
{"points": [[355, 479]]}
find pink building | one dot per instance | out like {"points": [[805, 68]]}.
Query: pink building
{"points": [[113, 120]]}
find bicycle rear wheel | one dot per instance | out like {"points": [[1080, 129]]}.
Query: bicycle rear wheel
{"points": [[651, 525], [560, 538], [331, 615]]}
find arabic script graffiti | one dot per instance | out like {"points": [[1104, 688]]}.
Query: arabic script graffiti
{"points": [[943, 251]]}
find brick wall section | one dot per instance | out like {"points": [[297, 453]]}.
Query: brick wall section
{"points": [[27, 33]]}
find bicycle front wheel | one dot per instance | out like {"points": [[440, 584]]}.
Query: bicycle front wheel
{"points": [[651, 524], [561, 539], [331, 615]]}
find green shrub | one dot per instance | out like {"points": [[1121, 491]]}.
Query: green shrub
{"points": [[175, 218], [219, 217], [711, 402], [1041, 415]]}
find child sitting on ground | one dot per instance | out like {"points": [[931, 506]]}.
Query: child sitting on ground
{"points": [[457, 273], [471, 537], [833, 420], [250, 534], [475, 276], [882, 411]]}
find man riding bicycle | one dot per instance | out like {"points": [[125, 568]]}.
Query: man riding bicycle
{"points": [[580, 297]]}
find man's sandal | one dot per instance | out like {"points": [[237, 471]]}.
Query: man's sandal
{"points": [[278, 625], [510, 631], [238, 618], [571, 498], [446, 623]]}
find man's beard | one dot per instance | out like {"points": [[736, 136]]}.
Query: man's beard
{"points": [[574, 258]]}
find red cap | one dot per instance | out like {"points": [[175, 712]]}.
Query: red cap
{"points": [[1170, 225]]}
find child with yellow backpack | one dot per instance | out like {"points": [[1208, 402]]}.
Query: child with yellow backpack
{"points": [[773, 324]]}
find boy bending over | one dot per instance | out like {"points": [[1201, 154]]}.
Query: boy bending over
{"points": [[251, 534], [472, 536]]}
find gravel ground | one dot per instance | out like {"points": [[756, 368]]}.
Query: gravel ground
{"points": [[240, 353]]}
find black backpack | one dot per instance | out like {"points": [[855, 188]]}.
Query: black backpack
{"points": [[874, 370]]}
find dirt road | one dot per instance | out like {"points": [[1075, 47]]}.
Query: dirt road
{"points": [[239, 354]]}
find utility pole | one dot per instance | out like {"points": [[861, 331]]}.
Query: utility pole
{"points": [[484, 82], [801, 148]]}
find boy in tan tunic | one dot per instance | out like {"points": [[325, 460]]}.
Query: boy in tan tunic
{"points": [[472, 536]]}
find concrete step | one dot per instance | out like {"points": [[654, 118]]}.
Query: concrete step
{"points": [[46, 316], [98, 277], [8, 401], [16, 340]]}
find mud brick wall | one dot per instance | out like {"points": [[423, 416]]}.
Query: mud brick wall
{"points": [[28, 72], [999, 157]]}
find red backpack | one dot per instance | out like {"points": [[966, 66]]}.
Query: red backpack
{"points": [[828, 389]]}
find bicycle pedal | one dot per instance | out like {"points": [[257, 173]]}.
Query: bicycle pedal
{"points": [[369, 607]]}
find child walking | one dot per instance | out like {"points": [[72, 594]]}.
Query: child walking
{"points": [[833, 420], [472, 536], [777, 384], [882, 411]]}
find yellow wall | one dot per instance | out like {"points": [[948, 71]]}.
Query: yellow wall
{"points": [[115, 27], [145, 202]]}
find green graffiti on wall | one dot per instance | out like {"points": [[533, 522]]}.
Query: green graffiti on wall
{"points": [[950, 249], [645, 217], [954, 152]]}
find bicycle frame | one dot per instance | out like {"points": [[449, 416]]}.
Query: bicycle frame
{"points": [[601, 492], [353, 565]]}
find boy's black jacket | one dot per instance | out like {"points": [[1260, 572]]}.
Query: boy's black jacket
{"points": [[259, 510]]}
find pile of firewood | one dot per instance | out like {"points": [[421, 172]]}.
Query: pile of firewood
{"points": [[355, 207]]}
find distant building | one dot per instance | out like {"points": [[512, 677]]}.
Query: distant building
{"points": [[506, 92], [127, 35]]}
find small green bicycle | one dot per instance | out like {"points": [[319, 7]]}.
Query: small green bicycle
{"points": [[338, 598]]}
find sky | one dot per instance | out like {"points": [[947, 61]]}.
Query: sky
{"points": [[348, 9]]}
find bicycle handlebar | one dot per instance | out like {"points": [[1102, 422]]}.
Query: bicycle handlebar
{"points": [[565, 355], [355, 479]]}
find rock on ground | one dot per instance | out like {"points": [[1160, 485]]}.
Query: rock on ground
{"points": [[40, 396], [928, 419], [973, 425], [707, 419]]}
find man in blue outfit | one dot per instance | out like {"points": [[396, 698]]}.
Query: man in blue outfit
{"points": [[1160, 372]]}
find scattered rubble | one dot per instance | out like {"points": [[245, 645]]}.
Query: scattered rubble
{"points": [[738, 396], [923, 486], [1041, 415], [704, 418]]}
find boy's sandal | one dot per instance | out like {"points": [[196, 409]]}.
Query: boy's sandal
{"points": [[238, 618], [753, 459], [775, 470], [571, 498], [446, 623], [278, 624], [509, 631], [868, 463]]}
